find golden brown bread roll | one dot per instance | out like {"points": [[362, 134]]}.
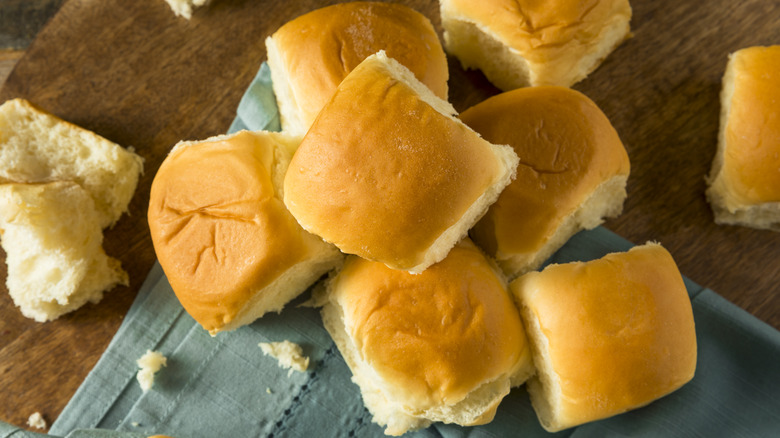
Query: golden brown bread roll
{"points": [[572, 173], [388, 173], [310, 55], [745, 177], [444, 345], [520, 43], [607, 336], [227, 244]]}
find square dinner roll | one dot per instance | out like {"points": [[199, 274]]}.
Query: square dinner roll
{"points": [[53, 241], [572, 173], [229, 247], [36, 146], [517, 43], [607, 336], [387, 172], [445, 345], [310, 55], [744, 184]]}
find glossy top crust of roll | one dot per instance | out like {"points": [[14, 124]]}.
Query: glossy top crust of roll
{"points": [[573, 170], [555, 42], [444, 345], [745, 178], [608, 335], [221, 231], [388, 173], [310, 55]]}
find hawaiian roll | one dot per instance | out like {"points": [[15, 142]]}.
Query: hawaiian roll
{"points": [[445, 345], [744, 184], [388, 173], [572, 173], [222, 234], [310, 55], [607, 336], [517, 43]]}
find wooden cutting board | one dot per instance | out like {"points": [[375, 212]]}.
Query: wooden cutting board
{"points": [[136, 74]]}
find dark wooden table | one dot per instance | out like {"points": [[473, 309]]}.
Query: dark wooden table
{"points": [[134, 73]]}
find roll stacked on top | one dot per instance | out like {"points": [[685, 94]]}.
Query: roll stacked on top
{"points": [[388, 173], [572, 173], [310, 55]]}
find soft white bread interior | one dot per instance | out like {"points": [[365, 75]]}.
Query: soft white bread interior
{"points": [[53, 240], [744, 184], [184, 8], [607, 336], [310, 55], [522, 43], [229, 247], [445, 345], [36, 146], [388, 173], [572, 173]]}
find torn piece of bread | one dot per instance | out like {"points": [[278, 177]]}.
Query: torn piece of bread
{"points": [[572, 173], [517, 43], [36, 146], [149, 364], [310, 55], [387, 172], [608, 336], [444, 345], [288, 354], [229, 247], [744, 184], [184, 8], [52, 237]]}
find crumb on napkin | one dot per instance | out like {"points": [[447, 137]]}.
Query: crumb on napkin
{"points": [[288, 354], [149, 364]]}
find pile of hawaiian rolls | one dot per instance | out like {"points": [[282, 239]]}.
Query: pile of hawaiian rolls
{"points": [[432, 225]]}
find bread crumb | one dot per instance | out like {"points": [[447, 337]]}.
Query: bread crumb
{"points": [[183, 8], [149, 364], [288, 354], [36, 420]]}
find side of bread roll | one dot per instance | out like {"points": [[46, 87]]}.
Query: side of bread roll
{"points": [[36, 146], [445, 345], [310, 55], [607, 336], [744, 184], [522, 43], [388, 173], [53, 242], [572, 173], [229, 247]]}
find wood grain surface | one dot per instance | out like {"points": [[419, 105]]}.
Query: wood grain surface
{"points": [[136, 74]]}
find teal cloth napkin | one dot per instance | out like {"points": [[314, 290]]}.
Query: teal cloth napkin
{"points": [[226, 387]]}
